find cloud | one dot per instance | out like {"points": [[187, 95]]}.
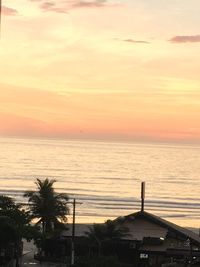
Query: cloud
{"points": [[86, 4], [7, 11], [47, 5], [185, 39], [136, 41], [64, 7], [51, 6], [133, 41]]}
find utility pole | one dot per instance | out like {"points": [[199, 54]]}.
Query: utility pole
{"points": [[73, 231]]}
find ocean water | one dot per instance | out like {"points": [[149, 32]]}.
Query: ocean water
{"points": [[106, 177]]}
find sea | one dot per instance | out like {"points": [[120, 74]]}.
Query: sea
{"points": [[105, 177]]}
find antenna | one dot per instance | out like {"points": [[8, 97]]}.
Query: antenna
{"points": [[142, 195]]}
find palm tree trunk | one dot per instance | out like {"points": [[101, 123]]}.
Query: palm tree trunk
{"points": [[43, 238]]}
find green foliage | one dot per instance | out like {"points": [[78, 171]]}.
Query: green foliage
{"points": [[8, 230], [18, 218], [47, 206], [106, 231], [104, 234], [113, 231], [97, 232]]}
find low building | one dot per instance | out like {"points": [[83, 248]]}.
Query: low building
{"points": [[151, 241], [155, 241]]}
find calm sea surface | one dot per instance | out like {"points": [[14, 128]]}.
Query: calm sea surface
{"points": [[106, 177]]}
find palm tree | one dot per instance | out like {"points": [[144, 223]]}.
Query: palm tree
{"points": [[48, 207], [108, 231]]}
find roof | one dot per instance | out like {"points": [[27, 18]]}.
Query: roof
{"points": [[195, 239], [80, 230], [160, 231]]}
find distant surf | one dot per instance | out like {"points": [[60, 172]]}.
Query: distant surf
{"points": [[106, 176]]}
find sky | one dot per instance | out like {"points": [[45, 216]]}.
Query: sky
{"points": [[115, 69]]}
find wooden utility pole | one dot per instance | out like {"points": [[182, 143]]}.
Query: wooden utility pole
{"points": [[73, 231]]}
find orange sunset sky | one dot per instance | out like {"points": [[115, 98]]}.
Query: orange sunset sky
{"points": [[126, 69]]}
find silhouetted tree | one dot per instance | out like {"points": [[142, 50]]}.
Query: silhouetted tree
{"points": [[15, 224], [49, 208], [105, 232], [18, 215]]}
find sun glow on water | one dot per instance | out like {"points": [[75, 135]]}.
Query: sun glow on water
{"points": [[106, 176]]}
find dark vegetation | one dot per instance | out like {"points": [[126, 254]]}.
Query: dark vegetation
{"points": [[105, 235], [15, 224], [48, 207], [44, 221], [50, 211], [100, 261]]}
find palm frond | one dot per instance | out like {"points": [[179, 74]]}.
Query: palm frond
{"points": [[46, 205]]}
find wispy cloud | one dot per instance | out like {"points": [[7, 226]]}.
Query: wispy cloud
{"points": [[96, 3], [51, 6], [136, 41], [64, 7], [185, 39], [133, 41], [7, 11]]}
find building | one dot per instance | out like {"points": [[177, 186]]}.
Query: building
{"points": [[151, 241], [154, 241]]}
